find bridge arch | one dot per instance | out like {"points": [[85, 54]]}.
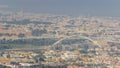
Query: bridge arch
{"points": [[67, 37]]}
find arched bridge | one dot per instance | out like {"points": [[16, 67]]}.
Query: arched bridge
{"points": [[67, 37]]}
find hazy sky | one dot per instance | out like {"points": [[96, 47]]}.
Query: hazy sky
{"points": [[68, 7]]}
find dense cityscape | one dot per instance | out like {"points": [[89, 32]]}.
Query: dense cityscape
{"points": [[33, 40]]}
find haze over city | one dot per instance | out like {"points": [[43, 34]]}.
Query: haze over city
{"points": [[59, 34], [67, 7]]}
